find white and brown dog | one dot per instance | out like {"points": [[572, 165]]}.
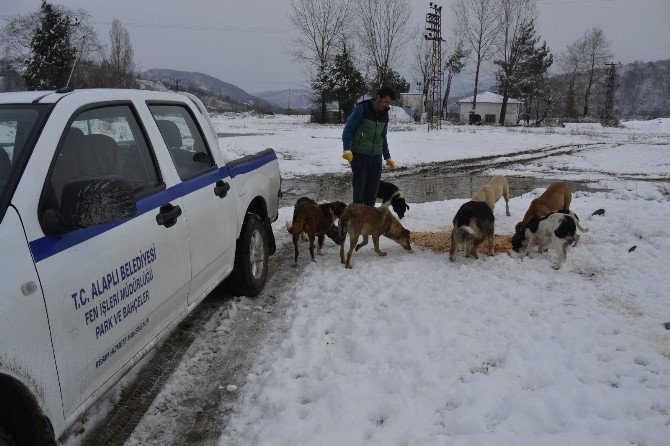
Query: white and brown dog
{"points": [[491, 192], [556, 230]]}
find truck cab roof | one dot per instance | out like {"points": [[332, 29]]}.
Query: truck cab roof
{"points": [[93, 94]]}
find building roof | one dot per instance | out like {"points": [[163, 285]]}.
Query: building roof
{"points": [[488, 97]]}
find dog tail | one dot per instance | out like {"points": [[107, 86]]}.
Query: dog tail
{"points": [[342, 227], [469, 230], [297, 226]]}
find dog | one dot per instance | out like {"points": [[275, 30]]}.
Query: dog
{"points": [[315, 220], [473, 223], [390, 195], [557, 196], [491, 192], [558, 230], [332, 233], [359, 219]]}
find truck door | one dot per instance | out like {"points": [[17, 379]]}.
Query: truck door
{"points": [[110, 288], [208, 203]]}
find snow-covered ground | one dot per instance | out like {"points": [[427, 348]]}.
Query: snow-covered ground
{"points": [[304, 148], [411, 349]]}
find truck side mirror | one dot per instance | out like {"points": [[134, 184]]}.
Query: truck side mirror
{"points": [[92, 201]]}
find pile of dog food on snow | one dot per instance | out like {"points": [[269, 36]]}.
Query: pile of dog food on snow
{"points": [[441, 242]]}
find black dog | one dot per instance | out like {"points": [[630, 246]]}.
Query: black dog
{"points": [[389, 193]]}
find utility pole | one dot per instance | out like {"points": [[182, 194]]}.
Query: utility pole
{"points": [[289, 102], [607, 118], [176, 81], [434, 34]]}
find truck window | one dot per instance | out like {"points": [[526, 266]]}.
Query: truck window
{"points": [[183, 139], [104, 141], [17, 124]]}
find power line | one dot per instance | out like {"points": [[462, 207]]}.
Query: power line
{"points": [[202, 27]]}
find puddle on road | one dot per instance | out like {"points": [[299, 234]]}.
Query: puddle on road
{"points": [[417, 187]]}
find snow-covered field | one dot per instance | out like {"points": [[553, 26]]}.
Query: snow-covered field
{"points": [[411, 349]]}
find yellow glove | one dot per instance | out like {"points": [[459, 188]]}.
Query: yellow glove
{"points": [[347, 155], [390, 163]]}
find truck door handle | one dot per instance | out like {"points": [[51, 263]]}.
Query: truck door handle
{"points": [[221, 189], [168, 215]]}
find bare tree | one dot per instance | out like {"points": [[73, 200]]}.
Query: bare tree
{"points": [[121, 60], [478, 25], [514, 15], [572, 61], [422, 58], [321, 25], [597, 51], [383, 32]]}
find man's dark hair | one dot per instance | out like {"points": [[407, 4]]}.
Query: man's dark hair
{"points": [[386, 91]]}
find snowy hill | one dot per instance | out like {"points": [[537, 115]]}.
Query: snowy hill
{"points": [[215, 93], [296, 98]]}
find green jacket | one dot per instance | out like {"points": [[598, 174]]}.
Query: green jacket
{"points": [[365, 130]]}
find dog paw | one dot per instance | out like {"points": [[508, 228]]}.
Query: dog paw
{"points": [[556, 267], [348, 266], [381, 253]]}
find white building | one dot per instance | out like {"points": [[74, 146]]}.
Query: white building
{"points": [[488, 107]]}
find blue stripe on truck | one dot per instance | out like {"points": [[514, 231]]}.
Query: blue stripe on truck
{"points": [[46, 247]]}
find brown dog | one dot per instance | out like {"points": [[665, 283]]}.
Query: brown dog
{"points": [[314, 220], [360, 219], [557, 197], [491, 192]]}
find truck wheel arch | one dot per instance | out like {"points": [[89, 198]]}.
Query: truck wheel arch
{"points": [[259, 207], [21, 415]]}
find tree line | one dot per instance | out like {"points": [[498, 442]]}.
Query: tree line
{"points": [[352, 47], [56, 47]]}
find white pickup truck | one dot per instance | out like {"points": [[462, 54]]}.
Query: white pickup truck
{"points": [[118, 214]]}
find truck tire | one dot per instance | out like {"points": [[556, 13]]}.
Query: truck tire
{"points": [[250, 270], [6, 439]]}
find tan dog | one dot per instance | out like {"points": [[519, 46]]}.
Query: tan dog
{"points": [[557, 197], [490, 193], [314, 220], [359, 219]]}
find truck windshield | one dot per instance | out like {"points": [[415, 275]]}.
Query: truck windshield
{"points": [[17, 128]]}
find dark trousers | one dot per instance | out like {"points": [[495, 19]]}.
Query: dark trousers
{"points": [[367, 171]]}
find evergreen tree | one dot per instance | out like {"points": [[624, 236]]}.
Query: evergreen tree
{"points": [[323, 83], [349, 82], [455, 64], [391, 79], [524, 75], [52, 55]]}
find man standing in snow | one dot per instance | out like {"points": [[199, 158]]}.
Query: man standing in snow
{"points": [[364, 140]]}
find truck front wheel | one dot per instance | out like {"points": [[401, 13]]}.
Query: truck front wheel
{"points": [[250, 271]]}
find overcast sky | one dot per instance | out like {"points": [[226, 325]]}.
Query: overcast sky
{"points": [[244, 42]]}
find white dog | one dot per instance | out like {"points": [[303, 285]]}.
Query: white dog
{"points": [[557, 230], [490, 193]]}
